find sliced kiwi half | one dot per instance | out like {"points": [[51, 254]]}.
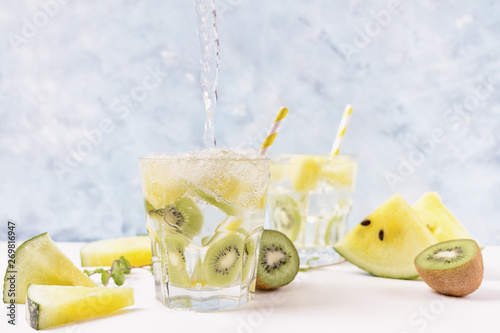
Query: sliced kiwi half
{"points": [[184, 216], [223, 261], [248, 254], [278, 260], [174, 258], [285, 215], [453, 268], [217, 201]]}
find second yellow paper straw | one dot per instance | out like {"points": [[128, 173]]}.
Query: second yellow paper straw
{"points": [[268, 141], [341, 131]]}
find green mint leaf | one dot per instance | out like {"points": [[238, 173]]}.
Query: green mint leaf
{"points": [[119, 267], [115, 266], [118, 277], [125, 265], [104, 277]]}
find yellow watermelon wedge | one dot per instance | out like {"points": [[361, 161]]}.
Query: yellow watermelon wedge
{"points": [[440, 221], [136, 249], [49, 306], [386, 243], [40, 261]]}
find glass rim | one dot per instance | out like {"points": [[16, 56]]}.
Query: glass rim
{"points": [[328, 156], [171, 157]]}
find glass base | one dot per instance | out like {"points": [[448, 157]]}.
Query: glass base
{"points": [[205, 300], [315, 257]]}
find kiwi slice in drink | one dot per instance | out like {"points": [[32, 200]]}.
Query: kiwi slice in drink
{"points": [[174, 248], [183, 216], [452, 268], [217, 201], [248, 254], [286, 215], [223, 261], [278, 261]]}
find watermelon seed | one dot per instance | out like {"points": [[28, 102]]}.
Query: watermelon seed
{"points": [[365, 222], [381, 235]]}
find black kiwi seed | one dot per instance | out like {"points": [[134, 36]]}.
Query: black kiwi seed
{"points": [[179, 219], [224, 253], [458, 255], [365, 223], [181, 254], [245, 255], [282, 261], [381, 235]]}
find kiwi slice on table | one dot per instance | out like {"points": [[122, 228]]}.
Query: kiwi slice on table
{"points": [[223, 261], [286, 215], [452, 268], [174, 259], [278, 261], [217, 201], [248, 254], [183, 216]]}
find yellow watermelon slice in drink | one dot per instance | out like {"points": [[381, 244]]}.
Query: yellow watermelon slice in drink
{"points": [[386, 243]]}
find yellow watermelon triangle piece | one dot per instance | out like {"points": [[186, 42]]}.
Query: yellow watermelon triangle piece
{"points": [[136, 249], [387, 242], [48, 306], [440, 221]]}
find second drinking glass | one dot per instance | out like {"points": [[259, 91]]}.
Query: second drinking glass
{"points": [[310, 198]]}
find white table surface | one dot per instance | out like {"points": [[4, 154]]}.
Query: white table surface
{"points": [[339, 298]]}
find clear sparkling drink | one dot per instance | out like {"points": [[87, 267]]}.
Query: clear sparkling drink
{"points": [[310, 198], [205, 213]]}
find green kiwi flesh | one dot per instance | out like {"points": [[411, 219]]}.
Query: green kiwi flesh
{"points": [[223, 261], [452, 267], [248, 255], [184, 216], [286, 215], [278, 260], [174, 258]]}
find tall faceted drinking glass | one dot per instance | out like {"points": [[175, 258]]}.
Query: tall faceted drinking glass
{"points": [[310, 198], [205, 214]]}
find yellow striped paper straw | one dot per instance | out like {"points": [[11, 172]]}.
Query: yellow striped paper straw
{"points": [[278, 121], [341, 131]]}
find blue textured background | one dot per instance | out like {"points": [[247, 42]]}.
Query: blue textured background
{"points": [[79, 105]]}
